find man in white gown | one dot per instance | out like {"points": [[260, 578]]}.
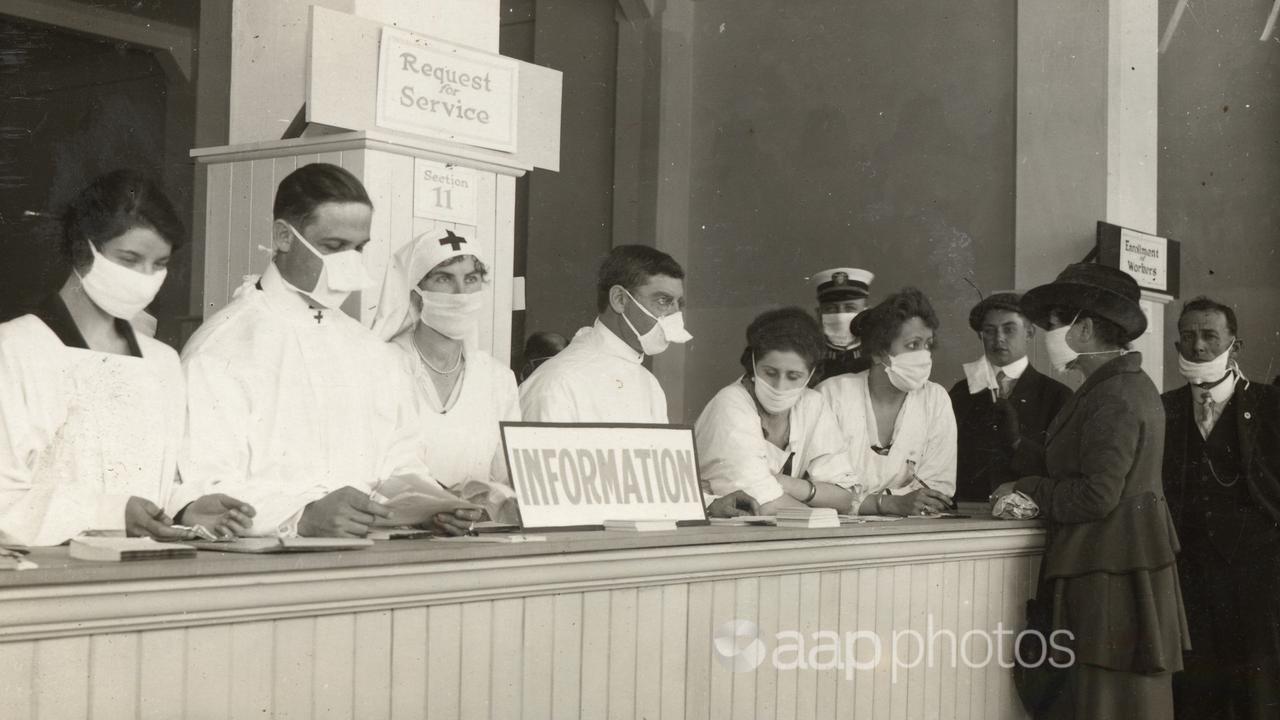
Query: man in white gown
{"points": [[293, 406], [601, 377]]}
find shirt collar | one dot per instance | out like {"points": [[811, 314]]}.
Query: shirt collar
{"points": [[1221, 393], [288, 302], [1014, 369], [611, 344]]}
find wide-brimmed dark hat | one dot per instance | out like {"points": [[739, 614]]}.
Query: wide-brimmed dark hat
{"points": [[995, 301], [1098, 289]]}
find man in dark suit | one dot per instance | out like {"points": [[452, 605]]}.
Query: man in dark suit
{"points": [[1222, 478], [1001, 400]]}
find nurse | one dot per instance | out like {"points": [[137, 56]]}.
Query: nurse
{"points": [[898, 426], [92, 413], [430, 313], [767, 433]]}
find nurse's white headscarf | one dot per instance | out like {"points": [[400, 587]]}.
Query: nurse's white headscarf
{"points": [[408, 266]]}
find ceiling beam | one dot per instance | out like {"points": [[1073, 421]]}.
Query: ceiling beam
{"points": [[175, 40]]}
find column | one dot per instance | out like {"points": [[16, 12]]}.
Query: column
{"points": [[1086, 138]]}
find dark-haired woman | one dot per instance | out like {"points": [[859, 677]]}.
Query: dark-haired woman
{"points": [[429, 312], [767, 434], [1108, 578], [898, 426], [91, 412]]}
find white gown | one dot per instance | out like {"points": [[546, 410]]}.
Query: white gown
{"points": [[284, 408], [597, 379], [733, 453], [81, 431], [464, 447], [924, 436]]}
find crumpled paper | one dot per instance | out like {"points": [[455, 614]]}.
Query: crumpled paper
{"points": [[1015, 506]]}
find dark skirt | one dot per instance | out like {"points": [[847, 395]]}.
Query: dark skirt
{"points": [[1132, 622]]}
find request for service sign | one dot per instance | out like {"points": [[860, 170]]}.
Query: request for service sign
{"points": [[435, 88], [583, 474]]}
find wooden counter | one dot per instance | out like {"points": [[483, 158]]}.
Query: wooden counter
{"points": [[586, 624]]}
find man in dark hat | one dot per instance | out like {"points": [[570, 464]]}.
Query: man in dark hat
{"points": [[1222, 474], [1109, 575], [1002, 398], [842, 294]]}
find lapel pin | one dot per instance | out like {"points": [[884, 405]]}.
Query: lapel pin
{"points": [[1248, 416]]}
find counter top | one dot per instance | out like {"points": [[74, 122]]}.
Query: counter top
{"points": [[56, 567]]}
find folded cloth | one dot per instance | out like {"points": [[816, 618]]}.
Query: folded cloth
{"points": [[1015, 506]]}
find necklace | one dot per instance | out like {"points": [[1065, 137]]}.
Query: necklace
{"points": [[456, 363]]}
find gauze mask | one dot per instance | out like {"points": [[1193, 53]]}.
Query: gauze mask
{"points": [[342, 274], [1061, 356], [909, 371], [119, 291], [836, 327], [666, 329], [453, 315], [773, 400], [1208, 372]]}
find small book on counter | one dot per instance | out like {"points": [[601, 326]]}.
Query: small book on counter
{"points": [[640, 525], [808, 518], [125, 549]]}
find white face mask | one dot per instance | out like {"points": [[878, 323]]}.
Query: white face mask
{"points": [[909, 371], [836, 327], [119, 291], [343, 273], [773, 400], [666, 329], [453, 315], [1208, 372], [1061, 355]]}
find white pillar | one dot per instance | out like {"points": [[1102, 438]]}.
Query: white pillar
{"points": [[1086, 150]]}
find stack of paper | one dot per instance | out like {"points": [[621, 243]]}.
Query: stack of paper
{"points": [[808, 518], [413, 500], [114, 549], [640, 525]]}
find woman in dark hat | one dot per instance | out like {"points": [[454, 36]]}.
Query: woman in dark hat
{"points": [[1108, 576]]}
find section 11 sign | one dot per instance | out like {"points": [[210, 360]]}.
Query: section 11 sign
{"points": [[434, 88], [579, 476]]}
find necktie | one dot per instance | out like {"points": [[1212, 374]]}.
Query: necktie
{"points": [[1205, 414], [1006, 384]]}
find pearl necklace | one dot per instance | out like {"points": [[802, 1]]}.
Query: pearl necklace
{"points": [[456, 363]]}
